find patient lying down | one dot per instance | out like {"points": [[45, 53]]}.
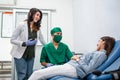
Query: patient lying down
{"points": [[78, 67]]}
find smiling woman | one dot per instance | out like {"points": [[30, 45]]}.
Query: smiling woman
{"points": [[24, 40], [19, 16]]}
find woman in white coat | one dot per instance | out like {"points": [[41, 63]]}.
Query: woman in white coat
{"points": [[24, 39]]}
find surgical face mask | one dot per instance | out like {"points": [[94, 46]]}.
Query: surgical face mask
{"points": [[57, 38]]}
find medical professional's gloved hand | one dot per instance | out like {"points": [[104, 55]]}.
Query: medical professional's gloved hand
{"points": [[49, 64], [30, 42]]}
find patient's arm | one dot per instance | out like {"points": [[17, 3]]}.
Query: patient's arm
{"points": [[75, 57]]}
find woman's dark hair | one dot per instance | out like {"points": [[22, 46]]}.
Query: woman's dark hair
{"points": [[109, 43], [31, 13]]}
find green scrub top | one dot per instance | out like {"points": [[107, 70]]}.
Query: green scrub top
{"points": [[55, 56]]}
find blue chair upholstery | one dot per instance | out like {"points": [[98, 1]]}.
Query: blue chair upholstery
{"points": [[108, 65]]}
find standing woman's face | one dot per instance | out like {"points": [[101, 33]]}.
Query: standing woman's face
{"points": [[36, 16]]}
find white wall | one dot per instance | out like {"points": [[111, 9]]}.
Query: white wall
{"points": [[94, 19], [62, 17]]}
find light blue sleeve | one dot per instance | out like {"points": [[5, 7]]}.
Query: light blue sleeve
{"points": [[93, 61]]}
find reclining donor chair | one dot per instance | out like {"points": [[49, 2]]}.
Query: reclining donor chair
{"points": [[111, 64]]}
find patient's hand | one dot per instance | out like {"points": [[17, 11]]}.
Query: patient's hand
{"points": [[75, 57]]}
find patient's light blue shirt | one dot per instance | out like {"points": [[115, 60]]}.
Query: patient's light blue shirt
{"points": [[88, 62]]}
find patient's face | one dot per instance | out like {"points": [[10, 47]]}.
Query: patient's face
{"points": [[100, 44]]}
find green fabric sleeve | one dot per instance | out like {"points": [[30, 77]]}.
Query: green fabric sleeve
{"points": [[68, 53], [43, 55]]}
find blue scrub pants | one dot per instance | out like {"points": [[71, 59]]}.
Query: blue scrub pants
{"points": [[24, 68]]}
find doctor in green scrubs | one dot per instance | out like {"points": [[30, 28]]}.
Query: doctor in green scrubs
{"points": [[55, 52]]}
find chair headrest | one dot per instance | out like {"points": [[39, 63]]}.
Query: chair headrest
{"points": [[114, 55]]}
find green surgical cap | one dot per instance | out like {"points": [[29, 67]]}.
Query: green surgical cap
{"points": [[55, 29]]}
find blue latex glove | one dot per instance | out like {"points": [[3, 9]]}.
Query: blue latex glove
{"points": [[30, 42], [49, 64]]}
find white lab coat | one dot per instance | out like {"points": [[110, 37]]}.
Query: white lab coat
{"points": [[19, 36]]}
